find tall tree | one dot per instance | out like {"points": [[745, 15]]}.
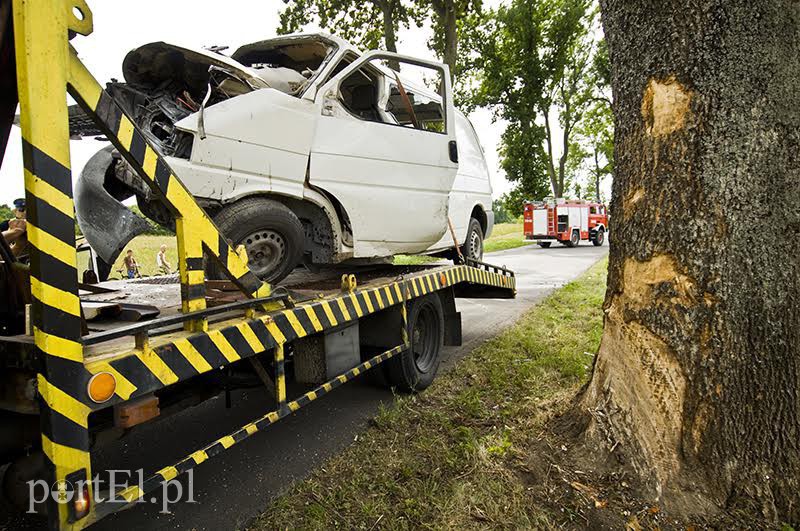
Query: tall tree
{"points": [[365, 23], [536, 69], [697, 381], [448, 20], [592, 154]]}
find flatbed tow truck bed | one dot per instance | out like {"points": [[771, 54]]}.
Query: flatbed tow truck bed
{"points": [[74, 382]]}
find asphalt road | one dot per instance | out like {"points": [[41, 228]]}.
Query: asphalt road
{"points": [[236, 486]]}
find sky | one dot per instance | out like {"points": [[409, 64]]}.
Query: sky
{"points": [[122, 26]]}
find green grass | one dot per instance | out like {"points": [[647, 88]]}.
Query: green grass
{"points": [[454, 456], [145, 248], [505, 236]]}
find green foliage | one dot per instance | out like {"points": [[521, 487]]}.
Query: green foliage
{"points": [[451, 21], [539, 61], [6, 213], [155, 229], [501, 213], [367, 23]]}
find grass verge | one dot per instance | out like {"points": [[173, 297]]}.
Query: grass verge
{"points": [[455, 456], [505, 236]]}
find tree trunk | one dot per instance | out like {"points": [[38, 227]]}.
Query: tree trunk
{"points": [[551, 171], [390, 38], [450, 56], [597, 176], [697, 381]]}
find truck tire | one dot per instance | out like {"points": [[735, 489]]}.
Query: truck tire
{"points": [[574, 239], [599, 238], [414, 369], [270, 232], [543, 245], [473, 245]]}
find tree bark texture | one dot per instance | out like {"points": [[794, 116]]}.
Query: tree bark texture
{"points": [[697, 381]]}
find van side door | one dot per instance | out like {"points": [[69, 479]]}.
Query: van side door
{"points": [[386, 150]]}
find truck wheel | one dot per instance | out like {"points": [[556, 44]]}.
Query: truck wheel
{"points": [[599, 238], [414, 369], [574, 239], [544, 245], [473, 246], [270, 232]]}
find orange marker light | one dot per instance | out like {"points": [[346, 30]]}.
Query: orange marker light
{"points": [[82, 502], [442, 279], [101, 387]]}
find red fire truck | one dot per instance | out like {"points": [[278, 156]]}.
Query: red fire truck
{"points": [[565, 221]]}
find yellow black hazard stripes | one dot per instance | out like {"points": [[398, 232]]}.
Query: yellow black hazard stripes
{"points": [[135, 492], [42, 51], [143, 371]]}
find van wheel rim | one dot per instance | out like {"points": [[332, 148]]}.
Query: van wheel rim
{"points": [[266, 251], [425, 338], [475, 245]]}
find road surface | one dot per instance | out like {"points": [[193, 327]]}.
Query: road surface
{"points": [[236, 486]]}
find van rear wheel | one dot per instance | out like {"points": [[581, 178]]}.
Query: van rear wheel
{"points": [[473, 246], [271, 233]]}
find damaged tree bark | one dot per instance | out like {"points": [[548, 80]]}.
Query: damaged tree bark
{"points": [[697, 381]]}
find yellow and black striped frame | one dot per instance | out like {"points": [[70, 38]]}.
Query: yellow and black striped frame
{"points": [[48, 68]]}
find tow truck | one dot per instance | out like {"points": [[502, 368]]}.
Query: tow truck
{"points": [[70, 381]]}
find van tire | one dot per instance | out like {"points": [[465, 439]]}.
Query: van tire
{"points": [[414, 369], [266, 227], [473, 245]]}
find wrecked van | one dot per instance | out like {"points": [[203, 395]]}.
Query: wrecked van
{"points": [[301, 148]]}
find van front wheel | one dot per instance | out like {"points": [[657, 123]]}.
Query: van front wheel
{"points": [[271, 233]]}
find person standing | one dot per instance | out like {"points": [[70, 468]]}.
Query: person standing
{"points": [[130, 265], [15, 231], [163, 265]]}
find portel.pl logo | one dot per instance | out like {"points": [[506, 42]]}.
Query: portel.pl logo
{"points": [[110, 491]]}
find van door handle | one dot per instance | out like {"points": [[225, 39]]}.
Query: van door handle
{"points": [[453, 148]]}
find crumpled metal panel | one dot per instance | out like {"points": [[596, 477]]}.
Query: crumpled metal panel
{"points": [[107, 224]]}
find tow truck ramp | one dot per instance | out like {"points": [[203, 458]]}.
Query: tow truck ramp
{"points": [[392, 321]]}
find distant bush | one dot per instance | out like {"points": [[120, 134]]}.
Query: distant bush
{"points": [[501, 213]]}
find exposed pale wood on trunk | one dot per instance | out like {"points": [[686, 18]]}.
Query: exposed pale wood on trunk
{"points": [[697, 381]]}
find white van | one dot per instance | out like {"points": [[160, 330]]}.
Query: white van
{"points": [[301, 148]]}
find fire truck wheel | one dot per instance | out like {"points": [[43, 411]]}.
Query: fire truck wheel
{"points": [[544, 245], [473, 246], [414, 369], [599, 238], [271, 234], [574, 240]]}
